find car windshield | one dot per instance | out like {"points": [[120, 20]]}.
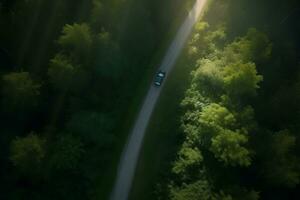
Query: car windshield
{"points": [[161, 74]]}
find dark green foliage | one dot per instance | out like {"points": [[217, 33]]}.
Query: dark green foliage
{"points": [[67, 153], [76, 40], [70, 70], [94, 128], [280, 166], [28, 154], [61, 72], [20, 92]]}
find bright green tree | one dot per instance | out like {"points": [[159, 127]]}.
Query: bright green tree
{"points": [[199, 190], [227, 147], [187, 157], [241, 79], [208, 77]]}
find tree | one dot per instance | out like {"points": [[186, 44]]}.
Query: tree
{"points": [[241, 79], [187, 157], [76, 40], [227, 147], [97, 16], [281, 166], [94, 128], [208, 77], [254, 47], [19, 91], [215, 115], [28, 153], [107, 59], [199, 190], [61, 72], [66, 153], [205, 41]]}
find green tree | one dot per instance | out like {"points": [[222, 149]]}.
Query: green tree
{"points": [[215, 115], [281, 166], [28, 153], [61, 72], [254, 47], [20, 91], [241, 79], [67, 153], [97, 15], [94, 128], [187, 157], [227, 147], [208, 77], [199, 190], [201, 126], [76, 40], [205, 41], [107, 59]]}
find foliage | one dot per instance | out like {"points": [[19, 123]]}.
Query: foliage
{"points": [[280, 165], [200, 190], [20, 91], [217, 119], [187, 157], [92, 127], [67, 153], [77, 40], [27, 153], [61, 72], [227, 147]]}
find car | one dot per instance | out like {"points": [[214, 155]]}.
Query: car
{"points": [[159, 78]]}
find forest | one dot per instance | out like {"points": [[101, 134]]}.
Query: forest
{"points": [[73, 74], [239, 113]]}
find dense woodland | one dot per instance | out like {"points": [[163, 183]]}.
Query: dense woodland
{"points": [[70, 72], [241, 112], [72, 75]]}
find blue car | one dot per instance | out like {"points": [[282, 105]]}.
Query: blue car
{"points": [[160, 76]]}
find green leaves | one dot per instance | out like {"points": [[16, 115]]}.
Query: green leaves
{"points": [[217, 116], [187, 157], [61, 72], [20, 92], [67, 153], [77, 40], [217, 120], [27, 153], [280, 165], [241, 79], [195, 191], [94, 128], [199, 190], [227, 147], [254, 47]]}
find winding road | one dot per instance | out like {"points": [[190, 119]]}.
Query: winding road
{"points": [[131, 151]]}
